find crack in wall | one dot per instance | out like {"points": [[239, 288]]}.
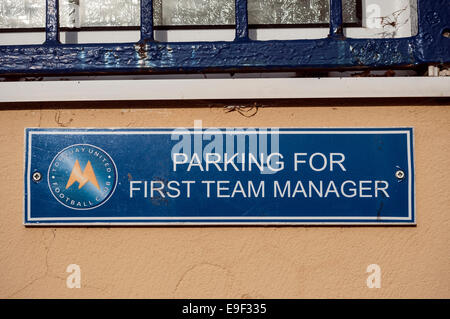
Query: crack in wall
{"points": [[187, 271], [60, 122], [47, 251]]}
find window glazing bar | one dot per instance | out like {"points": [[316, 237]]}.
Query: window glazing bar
{"points": [[241, 20], [147, 21], [52, 22], [336, 20]]}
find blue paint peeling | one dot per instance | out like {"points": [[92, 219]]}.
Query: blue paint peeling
{"points": [[147, 56]]}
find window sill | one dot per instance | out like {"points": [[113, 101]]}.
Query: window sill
{"points": [[224, 89]]}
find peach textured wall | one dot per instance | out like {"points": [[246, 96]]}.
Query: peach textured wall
{"points": [[236, 262]]}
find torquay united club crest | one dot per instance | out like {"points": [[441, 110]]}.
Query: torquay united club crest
{"points": [[82, 176]]}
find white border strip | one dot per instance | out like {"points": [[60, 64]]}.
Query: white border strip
{"points": [[280, 218], [192, 89]]}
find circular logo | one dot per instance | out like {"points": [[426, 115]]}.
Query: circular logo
{"points": [[82, 176]]}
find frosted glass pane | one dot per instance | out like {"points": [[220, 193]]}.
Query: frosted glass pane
{"points": [[198, 12], [22, 13], [221, 12], [74, 13], [350, 11], [104, 13], [287, 11], [125, 13], [89, 13]]}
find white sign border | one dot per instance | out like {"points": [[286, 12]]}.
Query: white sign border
{"points": [[30, 221]]}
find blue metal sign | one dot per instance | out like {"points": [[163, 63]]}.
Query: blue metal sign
{"points": [[219, 176]]}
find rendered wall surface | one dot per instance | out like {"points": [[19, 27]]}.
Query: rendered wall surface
{"points": [[235, 262]]}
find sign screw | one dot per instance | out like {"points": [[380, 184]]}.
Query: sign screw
{"points": [[37, 176], [400, 174]]}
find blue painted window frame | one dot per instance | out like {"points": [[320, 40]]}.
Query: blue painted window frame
{"points": [[429, 46]]}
